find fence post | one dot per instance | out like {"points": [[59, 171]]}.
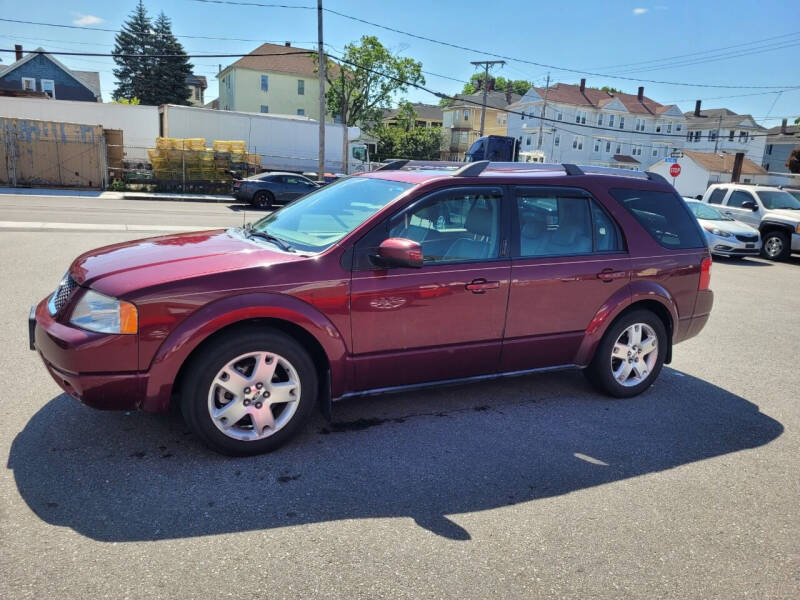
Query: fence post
{"points": [[183, 165]]}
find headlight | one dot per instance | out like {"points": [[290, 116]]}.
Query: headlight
{"points": [[719, 232], [97, 312]]}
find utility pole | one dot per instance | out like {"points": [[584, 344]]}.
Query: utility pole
{"points": [[321, 78], [716, 139], [486, 64], [544, 113]]}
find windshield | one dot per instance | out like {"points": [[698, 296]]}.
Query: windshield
{"points": [[773, 200], [706, 212], [322, 218]]}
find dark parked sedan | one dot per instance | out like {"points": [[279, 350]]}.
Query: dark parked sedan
{"points": [[269, 189]]}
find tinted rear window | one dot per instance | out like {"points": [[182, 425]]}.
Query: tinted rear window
{"points": [[717, 195], [665, 216]]}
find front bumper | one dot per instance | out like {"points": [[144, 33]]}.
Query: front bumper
{"points": [[730, 246], [97, 369], [795, 242]]}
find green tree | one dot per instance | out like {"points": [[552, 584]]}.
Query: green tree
{"points": [[613, 90], [364, 84], [499, 83], [141, 72], [406, 116], [416, 143], [794, 161], [797, 121]]}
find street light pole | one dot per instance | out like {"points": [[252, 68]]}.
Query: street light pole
{"points": [[321, 79]]}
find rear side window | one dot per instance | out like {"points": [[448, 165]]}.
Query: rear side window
{"points": [[665, 216], [717, 195]]}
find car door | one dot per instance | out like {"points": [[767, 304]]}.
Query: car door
{"points": [[279, 188], [734, 209], [568, 258], [295, 187], [444, 320]]}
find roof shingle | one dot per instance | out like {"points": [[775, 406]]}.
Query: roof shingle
{"points": [[723, 163], [596, 98], [281, 59]]}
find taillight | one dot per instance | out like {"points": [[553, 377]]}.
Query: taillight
{"points": [[705, 274]]}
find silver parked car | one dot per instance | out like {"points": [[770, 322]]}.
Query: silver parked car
{"points": [[725, 236]]}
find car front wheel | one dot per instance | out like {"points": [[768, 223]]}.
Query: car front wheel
{"points": [[630, 355], [249, 392], [776, 245]]}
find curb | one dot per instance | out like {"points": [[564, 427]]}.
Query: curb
{"points": [[214, 199]]}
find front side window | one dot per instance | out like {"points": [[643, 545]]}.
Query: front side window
{"points": [[773, 200], [317, 221], [453, 227], [550, 225], [663, 215], [738, 198], [707, 212]]}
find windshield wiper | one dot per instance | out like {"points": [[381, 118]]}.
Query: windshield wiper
{"points": [[270, 238]]}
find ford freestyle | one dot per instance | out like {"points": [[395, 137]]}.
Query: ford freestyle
{"points": [[413, 275]]}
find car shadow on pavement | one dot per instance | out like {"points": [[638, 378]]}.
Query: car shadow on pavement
{"points": [[749, 261], [132, 476]]}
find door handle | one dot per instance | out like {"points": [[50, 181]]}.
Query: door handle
{"points": [[479, 286], [609, 275]]}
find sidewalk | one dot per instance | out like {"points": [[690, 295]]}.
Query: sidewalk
{"points": [[117, 195]]}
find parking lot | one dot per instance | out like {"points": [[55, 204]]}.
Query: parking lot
{"points": [[529, 487]]}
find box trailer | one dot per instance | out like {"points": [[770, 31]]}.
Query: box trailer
{"points": [[284, 142]]}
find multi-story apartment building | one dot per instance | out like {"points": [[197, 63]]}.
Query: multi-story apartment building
{"points": [[780, 141], [722, 130], [590, 126], [197, 86], [282, 82], [461, 121]]}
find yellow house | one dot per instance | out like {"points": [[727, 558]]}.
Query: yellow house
{"points": [[283, 82], [462, 121]]}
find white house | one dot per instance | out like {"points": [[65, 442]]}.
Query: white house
{"points": [[722, 130], [627, 131], [701, 169]]}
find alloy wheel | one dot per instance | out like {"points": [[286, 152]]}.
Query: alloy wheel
{"points": [[773, 246], [254, 395], [634, 355]]}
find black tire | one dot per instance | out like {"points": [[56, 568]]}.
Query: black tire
{"points": [[263, 199], [201, 372], [599, 371], [776, 239]]}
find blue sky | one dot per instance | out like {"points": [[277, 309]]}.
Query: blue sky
{"points": [[590, 36]]}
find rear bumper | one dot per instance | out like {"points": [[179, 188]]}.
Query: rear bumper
{"points": [[99, 370], [690, 327]]}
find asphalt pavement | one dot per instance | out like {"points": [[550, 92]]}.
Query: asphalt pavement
{"points": [[535, 487]]}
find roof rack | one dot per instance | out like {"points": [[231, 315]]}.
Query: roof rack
{"points": [[473, 169]]}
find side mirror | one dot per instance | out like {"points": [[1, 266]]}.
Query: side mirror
{"points": [[750, 204], [400, 252]]}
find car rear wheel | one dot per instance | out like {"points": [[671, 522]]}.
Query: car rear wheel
{"points": [[249, 393], [776, 245], [263, 199], [630, 355]]}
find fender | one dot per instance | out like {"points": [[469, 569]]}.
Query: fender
{"points": [[211, 318], [636, 291], [767, 224]]}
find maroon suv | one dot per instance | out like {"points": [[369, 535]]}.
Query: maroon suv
{"points": [[384, 281]]}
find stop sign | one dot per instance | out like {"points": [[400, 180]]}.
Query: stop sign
{"points": [[675, 170]]}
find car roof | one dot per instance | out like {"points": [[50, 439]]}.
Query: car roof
{"points": [[747, 186]]}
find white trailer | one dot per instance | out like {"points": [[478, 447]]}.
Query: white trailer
{"points": [[139, 124], [285, 142]]}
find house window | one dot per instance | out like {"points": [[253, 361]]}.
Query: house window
{"points": [[659, 125], [608, 146], [301, 111], [463, 138], [523, 117], [712, 135], [559, 116], [197, 93], [580, 117], [49, 88], [742, 134], [597, 145], [265, 83], [29, 84], [678, 126], [264, 108], [556, 140], [454, 138], [619, 149], [669, 126], [301, 87], [610, 120], [466, 114], [600, 119], [730, 135], [577, 142], [622, 122], [655, 151], [527, 140], [769, 148]]}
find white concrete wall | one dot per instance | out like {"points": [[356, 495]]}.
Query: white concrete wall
{"points": [[139, 124]]}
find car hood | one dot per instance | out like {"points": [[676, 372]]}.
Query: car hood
{"points": [[734, 227], [120, 268], [783, 214]]}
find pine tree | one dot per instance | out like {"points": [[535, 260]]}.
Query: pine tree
{"points": [[147, 75], [171, 73], [135, 38]]}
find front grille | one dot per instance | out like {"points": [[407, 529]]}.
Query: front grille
{"points": [[747, 238], [62, 293]]}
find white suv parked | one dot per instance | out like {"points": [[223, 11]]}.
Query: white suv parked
{"points": [[773, 211]]}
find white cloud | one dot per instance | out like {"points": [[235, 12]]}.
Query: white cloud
{"points": [[86, 20], [639, 11]]}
